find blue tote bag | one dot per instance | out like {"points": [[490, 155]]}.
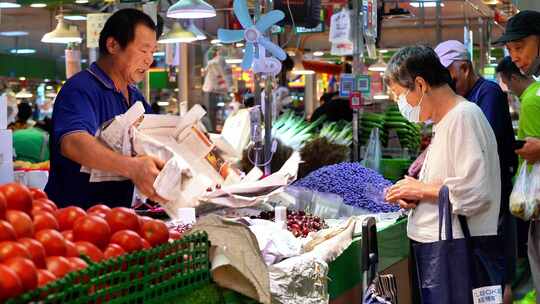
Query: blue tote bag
{"points": [[459, 271]]}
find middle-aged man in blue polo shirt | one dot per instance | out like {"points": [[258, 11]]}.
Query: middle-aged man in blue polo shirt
{"points": [[91, 98], [494, 103]]}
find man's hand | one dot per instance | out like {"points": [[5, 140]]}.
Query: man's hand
{"points": [[531, 150], [143, 173]]}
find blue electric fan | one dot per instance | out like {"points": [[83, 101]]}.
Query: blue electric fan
{"points": [[252, 34]]}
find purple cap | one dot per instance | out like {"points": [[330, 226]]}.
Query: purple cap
{"points": [[450, 51]]}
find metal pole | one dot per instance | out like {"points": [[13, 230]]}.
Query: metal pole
{"points": [[438, 13], [268, 109], [358, 47]]}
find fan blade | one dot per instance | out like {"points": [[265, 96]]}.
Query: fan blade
{"points": [[230, 36], [241, 12], [248, 56], [272, 48], [269, 19]]}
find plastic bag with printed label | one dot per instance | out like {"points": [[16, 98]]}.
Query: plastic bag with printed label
{"points": [[526, 193]]}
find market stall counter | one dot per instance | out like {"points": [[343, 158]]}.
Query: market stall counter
{"points": [[345, 273]]}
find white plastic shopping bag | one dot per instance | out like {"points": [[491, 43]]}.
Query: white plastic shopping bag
{"points": [[526, 193], [373, 155]]}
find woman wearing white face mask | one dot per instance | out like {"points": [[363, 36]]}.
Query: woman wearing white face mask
{"points": [[462, 155]]}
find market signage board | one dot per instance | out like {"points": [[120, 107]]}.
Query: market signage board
{"points": [[356, 101], [346, 84], [349, 83], [363, 84], [94, 25]]}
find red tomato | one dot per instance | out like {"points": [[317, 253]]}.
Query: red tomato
{"points": [[45, 220], [144, 219], [7, 233], [45, 277], [175, 235], [68, 235], [53, 242], [58, 265], [38, 193], [21, 222], [129, 240], [92, 229], [10, 284], [101, 215], [36, 250], [99, 208], [44, 202], [26, 270], [67, 216], [3, 206], [155, 232], [11, 249], [113, 250], [122, 218], [145, 244], [89, 250], [41, 204], [77, 263], [71, 250], [18, 197]]}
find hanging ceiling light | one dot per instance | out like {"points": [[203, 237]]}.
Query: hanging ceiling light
{"points": [[23, 94], [379, 66], [63, 33], [191, 9], [9, 4], [196, 31], [233, 56], [299, 67], [177, 34]]}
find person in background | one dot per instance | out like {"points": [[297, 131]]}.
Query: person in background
{"points": [[32, 144], [493, 101], [462, 154], [88, 100], [334, 107], [522, 40], [525, 87], [24, 112]]}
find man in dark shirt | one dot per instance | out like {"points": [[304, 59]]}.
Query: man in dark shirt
{"points": [[494, 103], [93, 97]]}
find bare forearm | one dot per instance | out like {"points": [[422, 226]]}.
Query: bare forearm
{"points": [[430, 192], [86, 150]]}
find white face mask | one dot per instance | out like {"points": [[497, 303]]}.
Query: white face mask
{"points": [[411, 113]]}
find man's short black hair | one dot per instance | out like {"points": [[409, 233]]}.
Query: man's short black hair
{"points": [[121, 26], [417, 61], [507, 68], [24, 111]]}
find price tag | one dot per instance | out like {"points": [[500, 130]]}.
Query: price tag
{"points": [[356, 101]]}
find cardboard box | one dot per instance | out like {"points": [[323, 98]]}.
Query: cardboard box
{"points": [[6, 156]]}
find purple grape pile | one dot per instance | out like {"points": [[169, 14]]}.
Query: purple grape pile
{"points": [[298, 222], [358, 186]]}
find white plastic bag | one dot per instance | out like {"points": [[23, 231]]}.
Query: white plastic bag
{"points": [[373, 155], [534, 191], [526, 193]]}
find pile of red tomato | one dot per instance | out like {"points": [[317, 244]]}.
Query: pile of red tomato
{"points": [[40, 243]]}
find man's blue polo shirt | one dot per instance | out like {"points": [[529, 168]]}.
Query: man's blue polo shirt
{"points": [[85, 102], [489, 96]]}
